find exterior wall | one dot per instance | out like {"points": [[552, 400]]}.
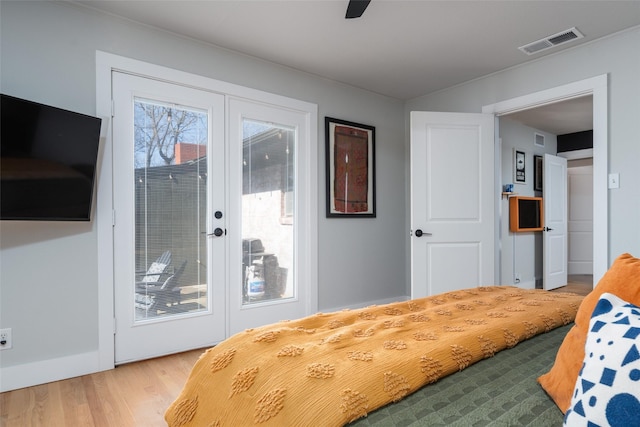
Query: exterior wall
{"points": [[186, 151], [172, 201]]}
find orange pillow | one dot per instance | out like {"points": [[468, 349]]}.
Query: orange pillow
{"points": [[622, 280]]}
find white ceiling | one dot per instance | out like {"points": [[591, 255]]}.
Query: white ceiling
{"points": [[401, 49], [564, 117]]}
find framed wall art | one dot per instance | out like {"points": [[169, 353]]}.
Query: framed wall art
{"points": [[519, 170], [350, 164], [538, 163]]}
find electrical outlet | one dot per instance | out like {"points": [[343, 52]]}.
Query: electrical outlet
{"points": [[5, 339]]}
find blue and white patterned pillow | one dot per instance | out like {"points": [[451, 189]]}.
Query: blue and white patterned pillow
{"points": [[607, 392]]}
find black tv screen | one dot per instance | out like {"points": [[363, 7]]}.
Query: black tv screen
{"points": [[529, 213], [48, 161]]}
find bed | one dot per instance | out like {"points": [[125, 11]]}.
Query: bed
{"points": [[499, 391], [338, 368]]}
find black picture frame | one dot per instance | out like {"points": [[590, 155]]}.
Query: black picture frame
{"points": [[538, 170], [519, 167], [350, 153]]}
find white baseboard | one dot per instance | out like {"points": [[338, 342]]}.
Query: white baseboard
{"points": [[576, 267], [529, 284], [45, 371]]}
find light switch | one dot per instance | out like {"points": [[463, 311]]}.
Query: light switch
{"points": [[614, 180]]}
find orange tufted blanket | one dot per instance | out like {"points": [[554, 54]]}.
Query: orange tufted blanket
{"points": [[330, 369]]}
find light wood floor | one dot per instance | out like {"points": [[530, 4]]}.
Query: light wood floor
{"points": [[135, 394], [580, 284]]}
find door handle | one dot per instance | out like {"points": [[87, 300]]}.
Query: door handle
{"points": [[547, 229], [217, 232], [420, 233]]}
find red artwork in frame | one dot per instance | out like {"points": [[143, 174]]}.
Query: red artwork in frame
{"points": [[350, 169]]}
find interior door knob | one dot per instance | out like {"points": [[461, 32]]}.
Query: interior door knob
{"points": [[420, 233]]}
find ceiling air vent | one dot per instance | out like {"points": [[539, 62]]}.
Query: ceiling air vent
{"points": [[552, 41]]}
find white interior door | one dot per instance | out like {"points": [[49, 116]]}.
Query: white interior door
{"points": [[580, 191], [169, 217], [271, 266], [452, 201], [554, 237]]}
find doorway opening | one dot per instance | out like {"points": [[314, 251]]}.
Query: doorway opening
{"points": [[580, 221], [594, 89], [563, 122]]}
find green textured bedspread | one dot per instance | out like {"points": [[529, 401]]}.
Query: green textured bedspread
{"points": [[499, 391]]}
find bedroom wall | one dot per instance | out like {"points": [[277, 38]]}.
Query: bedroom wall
{"points": [[48, 279], [619, 58]]}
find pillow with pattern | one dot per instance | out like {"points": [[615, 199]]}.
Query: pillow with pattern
{"points": [[622, 280], [607, 392]]}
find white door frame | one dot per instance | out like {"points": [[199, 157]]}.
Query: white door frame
{"points": [[598, 88], [106, 63]]}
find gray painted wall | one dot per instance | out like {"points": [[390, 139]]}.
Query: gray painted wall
{"points": [[48, 279], [617, 56]]}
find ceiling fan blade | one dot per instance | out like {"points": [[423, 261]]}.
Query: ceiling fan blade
{"points": [[356, 8]]}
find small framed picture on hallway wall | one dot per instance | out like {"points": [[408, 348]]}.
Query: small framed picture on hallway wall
{"points": [[519, 167], [538, 162]]}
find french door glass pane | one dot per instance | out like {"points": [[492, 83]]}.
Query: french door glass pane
{"points": [[170, 158], [268, 195]]}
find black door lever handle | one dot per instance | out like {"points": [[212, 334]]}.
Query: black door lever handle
{"points": [[217, 232]]}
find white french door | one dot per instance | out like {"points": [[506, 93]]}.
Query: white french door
{"points": [[169, 217], [452, 201], [215, 201], [270, 194], [554, 236]]}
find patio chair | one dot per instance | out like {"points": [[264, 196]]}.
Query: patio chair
{"points": [[156, 270], [152, 296]]}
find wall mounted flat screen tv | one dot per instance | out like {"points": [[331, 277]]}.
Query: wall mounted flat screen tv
{"points": [[48, 161], [526, 213]]}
